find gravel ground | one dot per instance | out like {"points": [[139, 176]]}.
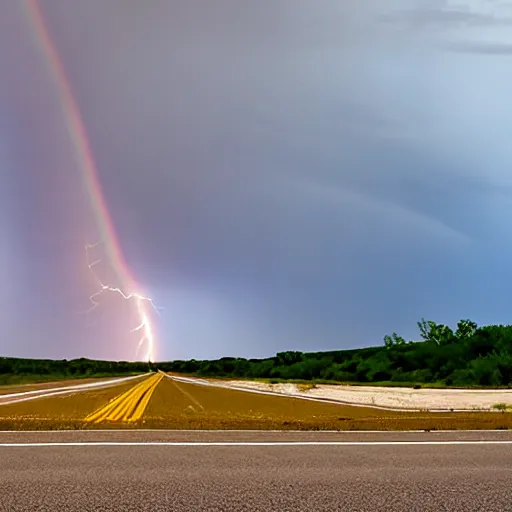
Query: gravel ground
{"points": [[401, 398]]}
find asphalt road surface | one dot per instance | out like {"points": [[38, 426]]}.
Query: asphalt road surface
{"points": [[255, 471]]}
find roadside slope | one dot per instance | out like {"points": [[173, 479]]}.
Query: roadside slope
{"points": [[394, 398]]}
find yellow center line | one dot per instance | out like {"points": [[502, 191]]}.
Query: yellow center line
{"points": [[124, 407], [116, 402], [144, 401], [130, 405]]}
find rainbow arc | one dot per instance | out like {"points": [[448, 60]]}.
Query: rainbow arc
{"points": [[89, 172]]}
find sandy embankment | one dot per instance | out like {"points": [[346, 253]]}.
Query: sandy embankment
{"points": [[396, 398]]}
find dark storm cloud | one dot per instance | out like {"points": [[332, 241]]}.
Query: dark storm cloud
{"points": [[295, 175]]}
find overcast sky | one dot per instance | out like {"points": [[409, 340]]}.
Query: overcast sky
{"points": [[292, 174]]}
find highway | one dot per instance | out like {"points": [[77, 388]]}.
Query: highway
{"points": [[255, 471]]}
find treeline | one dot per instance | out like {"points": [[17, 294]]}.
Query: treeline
{"points": [[467, 356], [16, 367]]}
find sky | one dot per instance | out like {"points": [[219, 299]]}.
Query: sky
{"points": [[286, 175]]}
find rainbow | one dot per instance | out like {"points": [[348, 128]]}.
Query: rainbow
{"points": [[87, 164]]}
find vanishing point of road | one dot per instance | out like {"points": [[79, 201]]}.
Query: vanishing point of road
{"points": [[255, 471]]}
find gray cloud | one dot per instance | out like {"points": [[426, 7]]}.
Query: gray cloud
{"points": [[485, 48], [447, 13], [295, 175]]}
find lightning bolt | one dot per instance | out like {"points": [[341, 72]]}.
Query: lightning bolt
{"points": [[140, 300]]}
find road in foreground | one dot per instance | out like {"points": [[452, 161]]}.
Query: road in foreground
{"points": [[430, 473]]}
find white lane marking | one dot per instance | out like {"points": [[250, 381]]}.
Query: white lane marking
{"points": [[255, 443], [12, 398]]}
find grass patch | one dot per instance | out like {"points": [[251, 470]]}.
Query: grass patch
{"points": [[306, 386], [502, 407]]}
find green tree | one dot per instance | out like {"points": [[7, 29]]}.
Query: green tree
{"points": [[288, 358], [439, 334], [485, 372], [465, 329], [394, 340]]}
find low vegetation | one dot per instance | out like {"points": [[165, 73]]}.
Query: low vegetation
{"points": [[502, 407]]}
